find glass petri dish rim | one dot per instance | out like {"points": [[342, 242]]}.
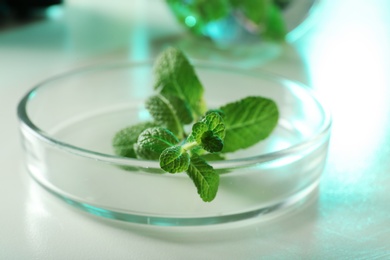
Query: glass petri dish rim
{"points": [[323, 130]]}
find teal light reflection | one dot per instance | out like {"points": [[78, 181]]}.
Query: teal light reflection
{"points": [[139, 50], [348, 61], [139, 34], [190, 21], [55, 12], [144, 115], [32, 94]]}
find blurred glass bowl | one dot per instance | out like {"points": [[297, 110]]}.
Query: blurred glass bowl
{"points": [[233, 38], [231, 24]]}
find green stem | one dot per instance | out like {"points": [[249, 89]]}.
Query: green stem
{"points": [[189, 146]]}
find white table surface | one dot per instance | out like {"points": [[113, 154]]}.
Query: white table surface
{"points": [[344, 55]]}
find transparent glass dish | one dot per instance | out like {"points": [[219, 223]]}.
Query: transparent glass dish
{"points": [[67, 124]]}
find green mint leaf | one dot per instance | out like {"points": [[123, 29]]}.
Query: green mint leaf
{"points": [[218, 111], [198, 129], [170, 111], [174, 159], [254, 10], [215, 123], [183, 110], [208, 11], [209, 132], [124, 140], [211, 142], [204, 177], [176, 76], [275, 26], [282, 4], [153, 141], [248, 121], [211, 122]]}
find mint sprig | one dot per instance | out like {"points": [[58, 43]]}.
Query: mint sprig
{"points": [[179, 101]]}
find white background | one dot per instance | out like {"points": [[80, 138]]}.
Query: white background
{"points": [[344, 55]]}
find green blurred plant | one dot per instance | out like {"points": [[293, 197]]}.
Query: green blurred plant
{"points": [[263, 17]]}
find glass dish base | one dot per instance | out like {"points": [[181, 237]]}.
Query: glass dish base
{"points": [[69, 148]]}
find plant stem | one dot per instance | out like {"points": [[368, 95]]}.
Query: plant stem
{"points": [[189, 146]]}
